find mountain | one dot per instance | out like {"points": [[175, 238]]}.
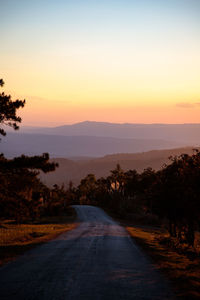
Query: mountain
{"points": [[184, 133], [18, 143], [76, 170]]}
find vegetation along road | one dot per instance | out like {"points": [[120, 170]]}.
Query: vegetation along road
{"points": [[97, 260]]}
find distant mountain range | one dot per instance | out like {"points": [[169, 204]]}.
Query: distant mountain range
{"points": [[75, 170], [95, 139], [185, 133]]}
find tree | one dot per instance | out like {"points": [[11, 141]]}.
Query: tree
{"points": [[176, 196], [20, 189], [87, 189], [117, 178], [28, 162], [8, 111], [131, 190], [19, 185]]}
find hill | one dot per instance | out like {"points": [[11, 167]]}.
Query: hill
{"points": [[76, 170]]}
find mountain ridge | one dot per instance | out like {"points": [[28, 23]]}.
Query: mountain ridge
{"points": [[186, 132], [71, 170]]}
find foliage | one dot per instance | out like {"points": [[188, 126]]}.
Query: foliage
{"points": [[59, 200], [87, 189], [8, 109], [21, 192], [22, 195], [172, 194]]}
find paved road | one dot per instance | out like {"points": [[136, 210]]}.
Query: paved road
{"points": [[97, 260]]}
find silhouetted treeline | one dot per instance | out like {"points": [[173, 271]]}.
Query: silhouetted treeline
{"points": [[171, 194], [23, 196]]}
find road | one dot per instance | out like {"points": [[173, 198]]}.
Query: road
{"points": [[96, 261]]}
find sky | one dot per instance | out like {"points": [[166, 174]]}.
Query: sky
{"points": [[135, 61]]}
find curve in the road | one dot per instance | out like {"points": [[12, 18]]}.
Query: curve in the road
{"points": [[96, 261]]}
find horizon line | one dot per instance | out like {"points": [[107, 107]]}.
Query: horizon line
{"points": [[102, 122]]}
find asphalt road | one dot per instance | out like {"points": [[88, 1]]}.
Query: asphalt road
{"points": [[97, 260]]}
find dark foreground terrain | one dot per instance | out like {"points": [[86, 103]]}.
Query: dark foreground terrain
{"points": [[97, 260]]}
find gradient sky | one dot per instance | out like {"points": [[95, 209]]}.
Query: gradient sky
{"points": [[120, 61]]}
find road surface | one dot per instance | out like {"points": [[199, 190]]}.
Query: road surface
{"points": [[96, 261]]}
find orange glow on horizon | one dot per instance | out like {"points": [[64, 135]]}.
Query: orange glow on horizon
{"points": [[141, 64]]}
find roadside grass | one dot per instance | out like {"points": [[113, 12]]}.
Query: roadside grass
{"points": [[15, 239], [180, 265]]}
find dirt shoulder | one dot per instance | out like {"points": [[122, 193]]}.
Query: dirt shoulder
{"points": [[15, 239], [180, 267]]}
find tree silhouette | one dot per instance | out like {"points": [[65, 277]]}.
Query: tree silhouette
{"points": [[169, 195], [87, 189], [20, 189], [8, 111], [117, 178]]}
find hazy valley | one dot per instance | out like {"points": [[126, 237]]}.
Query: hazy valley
{"points": [[96, 147], [75, 170], [96, 139]]}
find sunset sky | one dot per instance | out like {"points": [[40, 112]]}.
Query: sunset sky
{"points": [[135, 61]]}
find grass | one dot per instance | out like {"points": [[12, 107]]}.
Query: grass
{"points": [[15, 238], [180, 266]]}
